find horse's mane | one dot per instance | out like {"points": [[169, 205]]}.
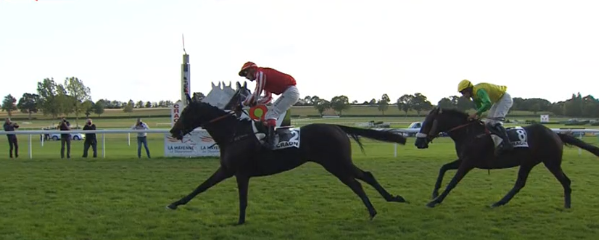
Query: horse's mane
{"points": [[454, 112], [458, 114], [218, 110]]}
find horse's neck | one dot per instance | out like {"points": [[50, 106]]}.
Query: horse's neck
{"points": [[224, 131], [460, 136], [220, 131]]}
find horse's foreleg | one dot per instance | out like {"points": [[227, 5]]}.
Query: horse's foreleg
{"points": [[216, 178], [462, 171], [242, 186], [449, 166]]}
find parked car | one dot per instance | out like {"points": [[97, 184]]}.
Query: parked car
{"points": [[417, 126], [56, 136]]}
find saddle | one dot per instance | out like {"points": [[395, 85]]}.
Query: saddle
{"points": [[517, 136], [285, 136]]}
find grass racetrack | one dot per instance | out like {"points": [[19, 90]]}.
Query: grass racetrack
{"points": [[122, 197]]}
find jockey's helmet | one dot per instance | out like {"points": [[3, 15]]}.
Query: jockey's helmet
{"points": [[463, 85], [245, 67]]}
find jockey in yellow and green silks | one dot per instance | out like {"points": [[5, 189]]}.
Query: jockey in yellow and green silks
{"points": [[492, 98]]}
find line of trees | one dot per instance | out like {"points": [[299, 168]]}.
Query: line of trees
{"points": [[576, 106], [69, 97], [73, 97]]}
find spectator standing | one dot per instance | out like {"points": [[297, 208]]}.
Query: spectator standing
{"points": [[141, 137], [64, 125], [12, 138], [90, 138]]}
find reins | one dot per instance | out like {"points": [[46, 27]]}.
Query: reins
{"points": [[233, 113], [461, 126], [216, 119]]}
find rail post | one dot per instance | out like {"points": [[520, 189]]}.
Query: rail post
{"points": [[30, 152], [103, 146]]}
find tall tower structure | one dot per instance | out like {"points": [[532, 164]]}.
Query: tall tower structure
{"points": [[185, 81]]}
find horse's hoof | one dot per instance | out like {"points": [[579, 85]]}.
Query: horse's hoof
{"points": [[171, 207], [495, 205], [399, 199], [372, 215], [432, 204]]}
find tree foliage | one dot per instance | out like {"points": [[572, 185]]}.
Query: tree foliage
{"points": [[340, 103], [99, 106], [28, 103], [77, 98], [48, 97], [55, 99], [8, 104], [322, 105], [383, 103]]}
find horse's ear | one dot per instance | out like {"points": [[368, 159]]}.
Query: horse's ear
{"points": [[229, 84], [245, 84], [238, 85], [188, 97], [213, 86]]}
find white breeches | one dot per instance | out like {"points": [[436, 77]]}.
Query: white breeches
{"points": [[500, 109], [283, 103]]}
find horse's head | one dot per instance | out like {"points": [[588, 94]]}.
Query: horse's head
{"points": [[219, 95], [196, 114], [240, 95], [437, 121]]}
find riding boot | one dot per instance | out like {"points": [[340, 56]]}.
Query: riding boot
{"points": [[270, 134], [505, 144]]}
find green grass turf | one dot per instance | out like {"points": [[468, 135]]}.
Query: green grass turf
{"points": [[122, 197]]}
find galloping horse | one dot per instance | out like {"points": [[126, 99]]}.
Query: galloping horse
{"points": [[533, 144], [242, 156]]}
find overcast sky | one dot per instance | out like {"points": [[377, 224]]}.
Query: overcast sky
{"points": [[132, 49]]}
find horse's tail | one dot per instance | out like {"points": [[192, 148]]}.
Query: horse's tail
{"points": [[385, 135], [571, 140]]}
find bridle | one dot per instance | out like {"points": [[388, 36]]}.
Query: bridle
{"points": [[216, 119], [433, 133]]}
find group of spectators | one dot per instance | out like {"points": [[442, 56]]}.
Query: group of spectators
{"points": [[65, 139]]}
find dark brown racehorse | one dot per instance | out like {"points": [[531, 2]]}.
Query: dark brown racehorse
{"points": [[243, 157], [475, 149]]}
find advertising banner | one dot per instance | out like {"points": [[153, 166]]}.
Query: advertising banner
{"points": [[195, 144]]}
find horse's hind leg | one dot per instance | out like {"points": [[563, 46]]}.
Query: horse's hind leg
{"points": [[369, 178], [216, 178], [520, 183], [346, 176], [557, 171]]}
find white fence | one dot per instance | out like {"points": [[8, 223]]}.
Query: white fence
{"points": [[199, 137], [103, 133]]}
